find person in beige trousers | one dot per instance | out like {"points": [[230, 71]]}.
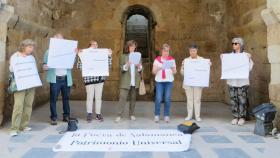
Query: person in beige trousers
{"points": [[193, 94]]}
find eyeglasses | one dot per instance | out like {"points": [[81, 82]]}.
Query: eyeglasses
{"points": [[235, 43]]}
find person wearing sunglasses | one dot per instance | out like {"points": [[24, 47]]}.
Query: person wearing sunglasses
{"points": [[238, 88]]}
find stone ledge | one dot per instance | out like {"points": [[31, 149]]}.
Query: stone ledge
{"points": [[273, 54], [17, 22], [274, 94], [269, 17]]}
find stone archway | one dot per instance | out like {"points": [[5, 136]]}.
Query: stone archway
{"points": [[148, 43], [6, 12], [271, 18]]}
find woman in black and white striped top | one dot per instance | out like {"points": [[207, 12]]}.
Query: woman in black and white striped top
{"points": [[94, 88]]}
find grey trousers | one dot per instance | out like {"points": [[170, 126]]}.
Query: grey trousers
{"points": [[124, 95]]}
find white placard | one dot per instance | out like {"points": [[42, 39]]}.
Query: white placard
{"points": [[235, 66], [167, 64], [197, 72], [124, 140], [135, 57], [26, 73], [94, 62], [62, 53]]}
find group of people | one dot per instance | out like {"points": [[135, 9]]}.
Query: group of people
{"points": [[130, 76]]}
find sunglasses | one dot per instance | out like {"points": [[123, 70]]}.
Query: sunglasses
{"points": [[235, 43]]}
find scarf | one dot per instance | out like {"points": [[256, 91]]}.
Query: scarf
{"points": [[163, 74]]}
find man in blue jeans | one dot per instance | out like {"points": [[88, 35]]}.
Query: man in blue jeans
{"points": [[60, 81]]}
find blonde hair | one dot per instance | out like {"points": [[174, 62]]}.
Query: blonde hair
{"points": [[25, 43], [164, 46]]}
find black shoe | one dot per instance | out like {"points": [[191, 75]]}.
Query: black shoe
{"points": [[65, 119], [99, 117], [53, 122], [89, 117]]}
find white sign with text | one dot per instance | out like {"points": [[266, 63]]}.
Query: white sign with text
{"points": [[124, 140], [235, 66], [197, 72], [62, 53], [26, 73], [94, 62]]}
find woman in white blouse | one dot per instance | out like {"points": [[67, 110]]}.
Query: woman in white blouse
{"points": [[193, 93], [164, 82], [238, 88]]}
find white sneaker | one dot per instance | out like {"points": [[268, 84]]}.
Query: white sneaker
{"points": [[27, 129], [132, 118], [241, 122], [188, 118], [234, 121], [166, 119], [156, 119], [198, 119], [13, 133], [118, 119]]}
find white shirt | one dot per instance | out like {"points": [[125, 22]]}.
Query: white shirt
{"points": [[61, 72], [241, 82], [132, 73], [169, 77]]}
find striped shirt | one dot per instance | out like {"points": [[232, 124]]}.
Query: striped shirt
{"points": [[93, 79]]}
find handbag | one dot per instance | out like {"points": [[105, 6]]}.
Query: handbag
{"points": [[142, 88], [72, 124], [12, 87], [188, 127]]}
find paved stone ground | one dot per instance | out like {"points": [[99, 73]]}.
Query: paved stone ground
{"points": [[216, 138]]}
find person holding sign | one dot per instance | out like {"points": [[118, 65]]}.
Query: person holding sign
{"points": [[60, 79], [238, 88], [130, 76], [193, 93], [164, 68], [23, 99], [94, 85]]}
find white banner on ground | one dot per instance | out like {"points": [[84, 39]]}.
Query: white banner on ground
{"points": [[26, 73], [94, 62], [124, 140], [62, 53], [197, 72], [235, 66]]}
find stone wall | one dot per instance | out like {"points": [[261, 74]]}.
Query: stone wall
{"points": [[271, 17], [244, 20], [31, 19], [192, 21], [211, 24]]}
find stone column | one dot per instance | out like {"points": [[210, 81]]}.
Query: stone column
{"points": [[6, 12], [271, 17]]}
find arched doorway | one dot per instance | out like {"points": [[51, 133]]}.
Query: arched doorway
{"points": [[139, 23]]}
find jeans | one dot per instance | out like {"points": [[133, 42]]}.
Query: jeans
{"points": [[55, 88], [166, 89]]}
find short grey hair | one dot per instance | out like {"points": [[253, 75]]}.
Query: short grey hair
{"points": [[25, 43], [238, 40], [165, 45]]}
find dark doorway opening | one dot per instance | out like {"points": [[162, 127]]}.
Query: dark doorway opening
{"points": [[139, 25]]}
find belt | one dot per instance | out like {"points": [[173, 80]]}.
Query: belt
{"points": [[61, 77]]}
